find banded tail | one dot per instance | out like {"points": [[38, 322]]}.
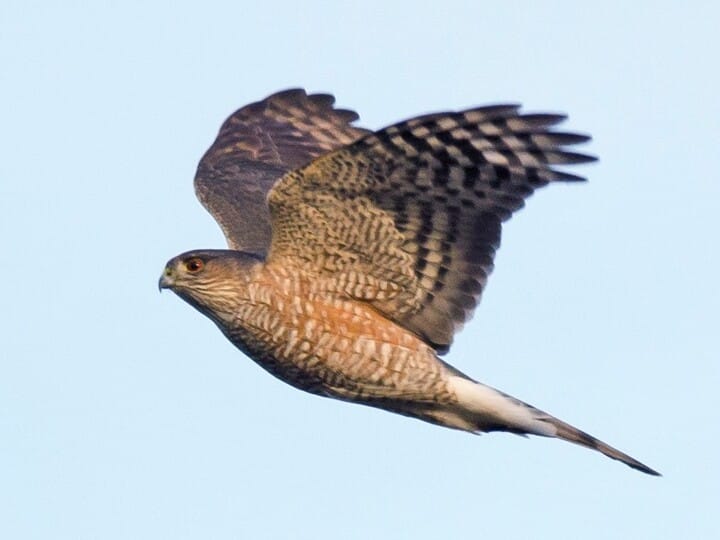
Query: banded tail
{"points": [[487, 409]]}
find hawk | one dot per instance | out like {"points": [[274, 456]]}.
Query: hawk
{"points": [[355, 256]]}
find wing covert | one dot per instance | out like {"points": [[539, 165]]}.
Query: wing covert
{"points": [[408, 218], [256, 145]]}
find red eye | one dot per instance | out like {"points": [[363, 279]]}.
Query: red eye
{"points": [[194, 265]]}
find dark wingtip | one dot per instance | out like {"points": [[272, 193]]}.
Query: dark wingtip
{"points": [[562, 176], [498, 109], [289, 93], [542, 120], [575, 158], [566, 138], [322, 99]]}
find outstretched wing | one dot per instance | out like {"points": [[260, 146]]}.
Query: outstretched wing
{"points": [[408, 218], [255, 147]]}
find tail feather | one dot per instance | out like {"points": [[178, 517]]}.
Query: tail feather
{"points": [[491, 410], [571, 434]]}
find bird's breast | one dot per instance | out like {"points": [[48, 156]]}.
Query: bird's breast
{"points": [[331, 345]]}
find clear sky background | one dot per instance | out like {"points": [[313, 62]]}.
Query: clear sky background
{"points": [[125, 414]]}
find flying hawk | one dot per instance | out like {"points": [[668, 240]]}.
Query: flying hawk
{"points": [[356, 255]]}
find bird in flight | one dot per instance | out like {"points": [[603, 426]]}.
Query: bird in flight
{"points": [[356, 255]]}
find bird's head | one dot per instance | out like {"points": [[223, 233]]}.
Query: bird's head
{"points": [[210, 280]]}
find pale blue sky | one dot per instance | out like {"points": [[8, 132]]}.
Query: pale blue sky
{"points": [[125, 414]]}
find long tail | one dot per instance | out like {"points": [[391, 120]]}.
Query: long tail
{"points": [[569, 433], [491, 410]]}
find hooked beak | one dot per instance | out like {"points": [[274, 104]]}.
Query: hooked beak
{"points": [[166, 280]]}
